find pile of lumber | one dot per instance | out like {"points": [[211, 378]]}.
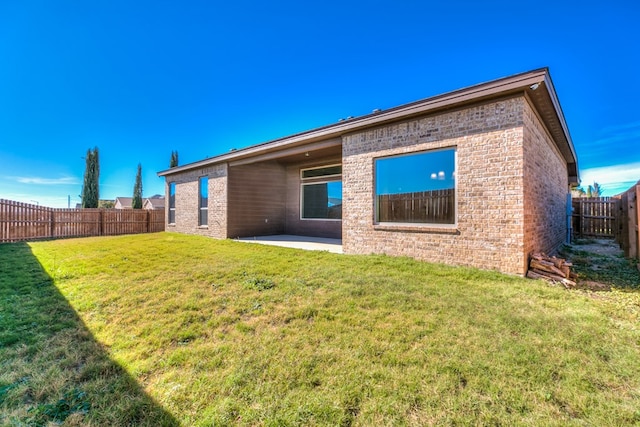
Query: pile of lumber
{"points": [[552, 269]]}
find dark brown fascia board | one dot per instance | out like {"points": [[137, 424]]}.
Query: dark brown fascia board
{"points": [[573, 161], [472, 94]]}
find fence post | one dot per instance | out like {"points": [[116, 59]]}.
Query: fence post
{"points": [[637, 228], [633, 224], [582, 230], [51, 223]]}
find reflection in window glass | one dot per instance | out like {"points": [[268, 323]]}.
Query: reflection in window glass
{"points": [[172, 203], [416, 188], [203, 202], [322, 200]]}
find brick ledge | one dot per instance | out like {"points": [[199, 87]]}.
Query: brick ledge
{"points": [[417, 228]]}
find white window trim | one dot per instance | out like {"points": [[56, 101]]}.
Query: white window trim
{"points": [[200, 208], [172, 209], [320, 176]]}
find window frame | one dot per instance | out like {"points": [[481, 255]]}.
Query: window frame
{"points": [[417, 225], [172, 204], [203, 210], [321, 179]]}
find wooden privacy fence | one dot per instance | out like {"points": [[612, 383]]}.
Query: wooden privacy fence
{"points": [[595, 216], [22, 221], [617, 217], [628, 235], [436, 207]]}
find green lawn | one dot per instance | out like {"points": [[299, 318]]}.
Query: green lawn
{"points": [[167, 329]]}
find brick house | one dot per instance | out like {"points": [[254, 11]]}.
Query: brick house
{"points": [[477, 177]]}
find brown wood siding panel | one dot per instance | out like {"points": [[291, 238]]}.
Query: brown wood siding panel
{"points": [[300, 227], [256, 200]]}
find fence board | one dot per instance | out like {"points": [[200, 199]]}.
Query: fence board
{"points": [[628, 235], [23, 221], [437, 207], [596, 216]]}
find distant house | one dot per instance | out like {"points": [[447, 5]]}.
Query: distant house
{"points": [[150, 203], [480, 177], [154, 202], [123, 202]]}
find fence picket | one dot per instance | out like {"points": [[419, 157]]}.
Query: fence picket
{"points": [[424, 206], [23, 221], [595, 216]]}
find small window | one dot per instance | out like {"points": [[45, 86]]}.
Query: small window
{"points": [[325, 171], [321, 193], [417, 188], [172, 203], [203, 203]]}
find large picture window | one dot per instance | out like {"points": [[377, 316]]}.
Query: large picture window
{"points": [[203, 201], [417, 188], [172, 203], [321, 193]]}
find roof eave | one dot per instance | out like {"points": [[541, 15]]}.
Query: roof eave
{"points": [[520, 83]]}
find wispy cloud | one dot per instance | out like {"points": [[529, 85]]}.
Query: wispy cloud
{"points": [[66, 180], [613, 179], [614, 134], [633, 126], [610, 146]]}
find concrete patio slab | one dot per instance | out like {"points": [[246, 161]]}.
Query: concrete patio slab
{"points": [[297, 242]]}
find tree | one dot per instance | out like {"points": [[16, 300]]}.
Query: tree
{"points": [[174, 159], [106, 204], [594, 190], [136, 203], [90, 186]]}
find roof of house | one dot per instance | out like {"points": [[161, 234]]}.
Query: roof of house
{"points": [[126, 202], [535, 84], [156, 201]]}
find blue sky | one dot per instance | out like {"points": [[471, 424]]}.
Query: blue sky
{"points": [[139, 79]]}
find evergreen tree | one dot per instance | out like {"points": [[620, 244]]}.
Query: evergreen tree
{"points": [[174, 159], [136, 203], [90, 186]]}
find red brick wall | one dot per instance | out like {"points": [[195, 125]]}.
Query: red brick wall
{"points": [[187, 201], [490, 224], [546, 187]]}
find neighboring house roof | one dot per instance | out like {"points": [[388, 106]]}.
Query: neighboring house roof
{"points": [[153, 202], [536, 85], [124, 202]]}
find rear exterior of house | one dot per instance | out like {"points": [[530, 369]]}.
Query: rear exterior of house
{"points": [[476, 177]]}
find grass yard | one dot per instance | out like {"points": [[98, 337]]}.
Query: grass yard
{"points": [[167, 329]]}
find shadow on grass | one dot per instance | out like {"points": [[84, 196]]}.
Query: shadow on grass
{"points": [[51, 367]]}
